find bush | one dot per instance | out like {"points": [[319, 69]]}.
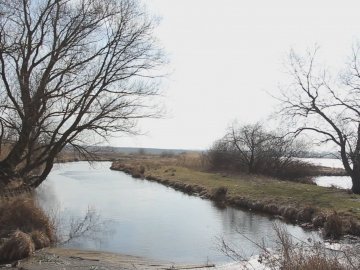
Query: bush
{"points": [[293, 170], [221, 157]]}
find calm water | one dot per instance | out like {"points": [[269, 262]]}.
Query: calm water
{"points": [[150, 220], [328, 181], [327, 162]]}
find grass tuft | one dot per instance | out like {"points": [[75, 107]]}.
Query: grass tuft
{"points": [[18, 246], [24, 227], [40, 239], [25, 215], [219, 194], [333, 227]]}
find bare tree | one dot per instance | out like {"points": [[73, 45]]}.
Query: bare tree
{"points": [[71, 70], [251, 143], [330, 108], [253, 149]]}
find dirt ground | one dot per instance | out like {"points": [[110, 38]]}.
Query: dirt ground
{"points": [[69, 259]]}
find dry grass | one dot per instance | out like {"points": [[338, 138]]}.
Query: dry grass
{"points": [[40, 239], [333, 227], [192, 160], [303, 256], [290, 254], [18, 246], [24, 214], [24, 227], [314, 263]]}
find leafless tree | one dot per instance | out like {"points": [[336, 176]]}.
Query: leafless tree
{"points": [[251, 143], [330, 108], [253, 149], [71, 70]]}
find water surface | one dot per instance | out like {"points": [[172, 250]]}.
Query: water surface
{"points": [[327, 162], [150, 220], [343, 182]]}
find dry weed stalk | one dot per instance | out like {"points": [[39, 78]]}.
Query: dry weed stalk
{"points": [[291, 253]]}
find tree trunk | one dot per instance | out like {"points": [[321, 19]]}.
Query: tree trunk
{"points": [[356, 185], [7, 173], [41, 178], [355, 178], [251, 163]]}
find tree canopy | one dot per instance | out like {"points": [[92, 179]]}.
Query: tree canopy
{"points": [[71, 70]]}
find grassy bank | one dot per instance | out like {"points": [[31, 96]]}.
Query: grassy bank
{"points": [[306, 204]]}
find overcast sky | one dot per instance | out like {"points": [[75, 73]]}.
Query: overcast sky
{"points": [[227, 58]]}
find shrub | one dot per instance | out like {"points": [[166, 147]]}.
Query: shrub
{"points": [[293, 170], [221, 157]]}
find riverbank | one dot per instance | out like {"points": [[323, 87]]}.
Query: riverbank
{"points": [[71, 259], [308, 205]]}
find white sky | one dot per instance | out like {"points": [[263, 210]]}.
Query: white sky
{"points": [[226, 55]]}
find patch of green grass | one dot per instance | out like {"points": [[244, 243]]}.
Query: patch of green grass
{"points": [[265, 189]]}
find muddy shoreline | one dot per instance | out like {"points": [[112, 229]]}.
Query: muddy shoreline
{"points": [[71, 259]]}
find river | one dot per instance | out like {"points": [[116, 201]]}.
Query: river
{"points": [[150, 220], [343, 182]]}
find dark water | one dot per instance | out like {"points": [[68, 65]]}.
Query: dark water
{"points": [[150, 220]]}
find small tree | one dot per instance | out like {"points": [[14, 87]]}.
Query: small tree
{"points": [[329, 108], [71, 70], [251, 144]]}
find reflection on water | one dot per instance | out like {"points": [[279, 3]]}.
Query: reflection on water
{"points": [[150, 220]]}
